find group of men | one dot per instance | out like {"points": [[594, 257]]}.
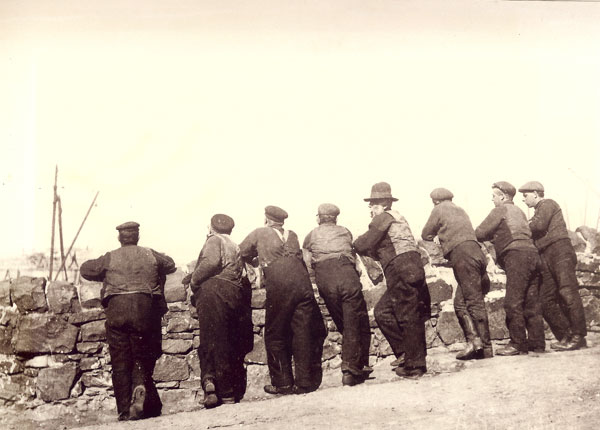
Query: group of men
{"points": [[537, 256]]}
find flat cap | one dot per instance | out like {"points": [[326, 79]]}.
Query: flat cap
{"points": [[275, 213], [531, 186], [129, 225], [222, 223], [441, 194], [505, 187], [328, 209]]}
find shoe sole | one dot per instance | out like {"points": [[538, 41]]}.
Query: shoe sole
{"points": [[211, 400], [136, 409]]}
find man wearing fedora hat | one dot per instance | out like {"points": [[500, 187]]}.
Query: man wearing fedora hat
{"points": [[221, 295], [506, 226], [452, 226], [293, 322], [133, 278], [328, 250], [402, 310], [561, 303]]}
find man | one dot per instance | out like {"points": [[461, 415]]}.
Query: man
{"points": [[328, 250], [402, 310], [222, 299], [131, 294], [452, 226], [561, 303], [293, 322], [506, 226]]}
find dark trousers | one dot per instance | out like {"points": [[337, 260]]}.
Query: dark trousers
{"points": [[469, 266], [293, 325], [224, 316], [561, 302], [130, 322], [402, 310], [339, 286], [521, 303]]}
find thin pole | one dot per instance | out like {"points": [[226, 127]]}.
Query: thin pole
{"points": [[567, 214], [53, 222], [587, 196], [60, 234], [78, 231]]}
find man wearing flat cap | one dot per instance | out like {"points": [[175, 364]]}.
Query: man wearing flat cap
{"points": [[132, 293], [561, 304], [506, 226], [221, 295], [328, 250], [451, 224], [293, 322], [405, 306]]}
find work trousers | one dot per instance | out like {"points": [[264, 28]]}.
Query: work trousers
{"points": [[340, 288], [561, 302], [224, 316], [469, 266], [131, 335], [521, 303], [293, 325], [404, 307]]}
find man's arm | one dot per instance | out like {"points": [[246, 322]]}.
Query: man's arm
{"points": [[209, 262], [432, 226], [488, 227], [166, 265], [540, 221], [95, 270], [378, 227], [248, 247]]}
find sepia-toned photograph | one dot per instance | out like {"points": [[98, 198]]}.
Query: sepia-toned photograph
{"points": [[275, 215]]}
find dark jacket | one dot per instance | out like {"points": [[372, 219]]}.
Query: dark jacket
{"points": [[388, 236], [129, 269], [506, 226], [219, 258], [547, 224], [329, 241], [451, 224], [269, 244]]}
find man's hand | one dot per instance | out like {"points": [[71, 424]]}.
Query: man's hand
{"points": [[187, 279]]}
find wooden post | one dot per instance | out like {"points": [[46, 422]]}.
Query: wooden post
{"points": [[78, 231], [60, 234], [53, 223]]}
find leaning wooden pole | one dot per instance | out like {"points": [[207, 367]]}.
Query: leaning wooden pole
{"points": [[78, 231], [53, 223], [60, 236]]}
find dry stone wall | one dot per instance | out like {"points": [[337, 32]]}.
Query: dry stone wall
{"points": [[53, 349]]}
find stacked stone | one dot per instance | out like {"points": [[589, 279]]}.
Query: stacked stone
{"points": [[53, 342]]}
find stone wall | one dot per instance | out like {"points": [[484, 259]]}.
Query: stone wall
{"points": [[53, 351]]}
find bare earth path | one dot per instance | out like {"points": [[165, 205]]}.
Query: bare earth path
{"points": [[538, 391]]}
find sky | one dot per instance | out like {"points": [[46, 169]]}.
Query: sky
{"points": [[174, 111]]}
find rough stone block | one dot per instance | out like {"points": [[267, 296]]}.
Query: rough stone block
{"points": [[590, 235], [258, 317], [16, 388], [89, 363], [588, 263], [62, 297], [258, 355], [39, 362], [55, 383], [8, 317], [86, 315], [373, 295], [6, 335], [28, 294], [372, 269], [176, 346], [5, 293], [330, 350], [89, 347], [578, 242], [175, 291], [591, 308], [194, 363], [9, 365], [171, 368], [259, 297], [434, 252], [588, 279], [439, 290], [448, 328], [430, 332], [178, 401], [497, 318], [90, 294], [97, 378], [93, 331], [180, 323], [41, 333]]}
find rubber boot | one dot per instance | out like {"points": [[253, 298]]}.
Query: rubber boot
{"points": [[474, 342]]}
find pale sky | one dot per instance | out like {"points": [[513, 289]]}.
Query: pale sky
{"points": [[178, 110]]}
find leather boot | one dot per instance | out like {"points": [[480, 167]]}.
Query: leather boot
{"points": [[474, 343], [483, 329]]}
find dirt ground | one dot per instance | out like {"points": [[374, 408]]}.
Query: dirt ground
{"points": [[539, 391]]}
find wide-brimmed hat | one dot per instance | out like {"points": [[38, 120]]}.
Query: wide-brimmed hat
{"points": [[381, 190]]}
